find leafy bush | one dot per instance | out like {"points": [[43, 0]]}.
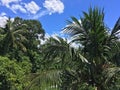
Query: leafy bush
{"points": [[11, 74]]}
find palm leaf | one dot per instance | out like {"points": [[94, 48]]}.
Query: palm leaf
{"points": [[110, 73], [50, 77]]}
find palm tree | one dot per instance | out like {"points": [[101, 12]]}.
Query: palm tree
{"points": [[13, 36], [59, 57], [96, 42], [57, 47], [44, 80]]}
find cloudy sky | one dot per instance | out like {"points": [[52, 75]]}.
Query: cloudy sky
{"points": [[54, 13]]}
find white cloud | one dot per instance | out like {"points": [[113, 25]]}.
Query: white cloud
{"points": [[7, 2], [42, 13], [3, 14], [54, 6], [16, 7], [32, 7], [47, 36], [56, 35], [3, 19]]}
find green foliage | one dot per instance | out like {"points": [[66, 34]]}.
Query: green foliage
{"points": [[36, 60], [44, 80], [94, 55], [13, 36], [26, 65], [11, 75], [34, 29], [19, 41], [98, 46], [57, 65]]}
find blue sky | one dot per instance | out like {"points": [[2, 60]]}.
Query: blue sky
{"points": [[54, 13]]}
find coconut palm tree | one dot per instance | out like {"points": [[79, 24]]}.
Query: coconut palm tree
{"points": [[96, 42], [13, 36]]}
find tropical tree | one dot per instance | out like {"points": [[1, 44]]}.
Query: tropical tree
{"points": [[52, 64], [91, 65], [96, 42], [57, 47], [35, 33], [21, 38], [42, 80], [13, 36], [59, 57]]}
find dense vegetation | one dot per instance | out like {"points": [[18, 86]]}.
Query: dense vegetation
{"points": [[92, 64]]}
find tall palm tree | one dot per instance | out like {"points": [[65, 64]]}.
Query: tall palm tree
{"points": [[13, 36], [90, 32], [96, 42]]}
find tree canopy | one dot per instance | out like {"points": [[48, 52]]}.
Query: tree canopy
{"points": [[92, 64]]}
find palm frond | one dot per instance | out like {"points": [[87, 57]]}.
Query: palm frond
{"points": [[110, 73], [116, 28], [51, 78]]}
